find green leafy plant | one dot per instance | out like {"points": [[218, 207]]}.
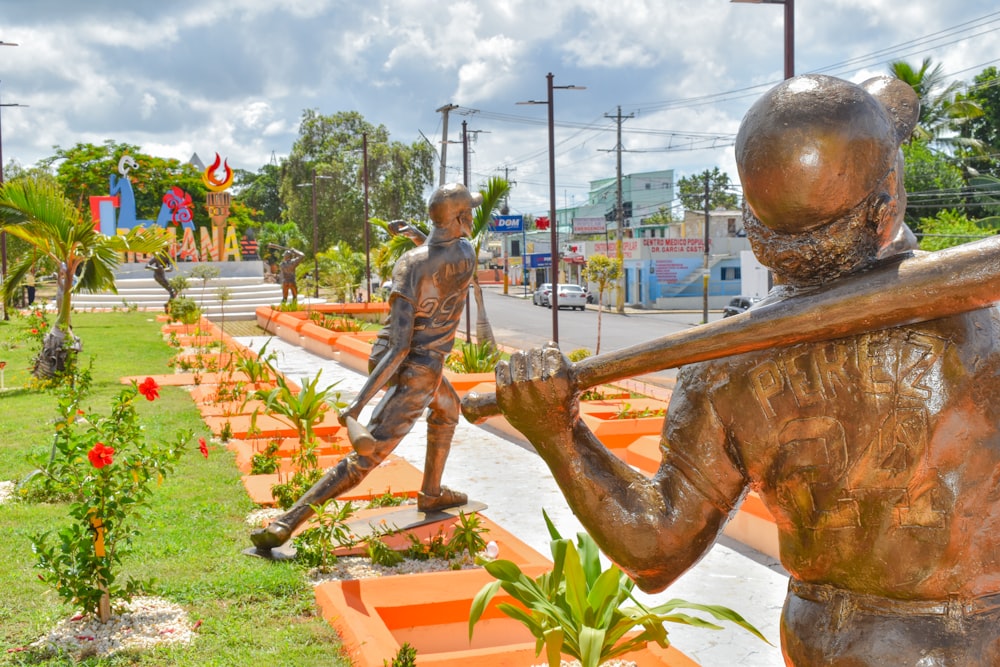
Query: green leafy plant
{"points": [[578, 354], [106, 466], [577, 609], [257, 367], [301, 410], [381, 553], [266, 462], [467, 535], [626, 412], [474, 358], [184, 310], [406, 656], [387, 499]]}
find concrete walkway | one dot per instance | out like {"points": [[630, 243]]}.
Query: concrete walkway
{"points": [[516, 485]]}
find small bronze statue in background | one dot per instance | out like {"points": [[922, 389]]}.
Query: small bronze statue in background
{"points": [[429, 287], [159, 267], [878, 453], [290, 261]]}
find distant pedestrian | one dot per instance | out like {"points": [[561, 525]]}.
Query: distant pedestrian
{"points": [[29, 285]]}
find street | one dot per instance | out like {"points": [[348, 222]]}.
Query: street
{"points": [[517, 323]]}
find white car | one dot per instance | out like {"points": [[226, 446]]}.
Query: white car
{"points": [[569, 296]]}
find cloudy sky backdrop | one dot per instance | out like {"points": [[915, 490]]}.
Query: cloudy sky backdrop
{"points": [[233, 76]]}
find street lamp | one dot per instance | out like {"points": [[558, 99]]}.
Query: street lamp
{"points": [[3, 234], [368, 243], [553, 233], [789, 30], [315, 232]]}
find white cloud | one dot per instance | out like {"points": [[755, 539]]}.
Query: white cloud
{"points": [[148, 106]]}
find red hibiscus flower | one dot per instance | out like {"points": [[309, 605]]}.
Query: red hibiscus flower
{"points": [[100, 455], [34, 331], [203, 447], [149, 389]]}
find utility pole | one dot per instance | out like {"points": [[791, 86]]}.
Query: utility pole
{"points": [[619, 209], [704, 278], [465, 182], [505, 211], [444, 139]]}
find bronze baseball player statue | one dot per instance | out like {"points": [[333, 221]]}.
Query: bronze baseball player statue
{"points": [[878, 452], [429, 288]]}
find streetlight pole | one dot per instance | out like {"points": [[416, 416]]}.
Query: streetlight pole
{"points": [[789, 30], [315, 240], [368, 247], [553, 229], [3, 234]]}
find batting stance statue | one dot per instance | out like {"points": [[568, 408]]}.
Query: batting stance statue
{"points": [[878, 453], [429, 288]]}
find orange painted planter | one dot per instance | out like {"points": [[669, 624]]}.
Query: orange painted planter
{"points": [[375, 617], [614, 405], [465, 382], [395, 476], [510, 547], [328, 453], [269, 426], [644, 454], [620, 433]]}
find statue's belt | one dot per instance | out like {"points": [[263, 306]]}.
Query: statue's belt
{"points": [[847, 601]]}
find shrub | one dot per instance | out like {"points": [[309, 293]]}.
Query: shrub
{"points": [[183, 310], [107, 468]]}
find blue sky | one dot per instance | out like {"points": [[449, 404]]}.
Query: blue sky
{"points": [[233, 76]]}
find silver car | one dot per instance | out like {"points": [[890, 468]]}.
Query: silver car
{"points": [[541, 295], [569, 296]]}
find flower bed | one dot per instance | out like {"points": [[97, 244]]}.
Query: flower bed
{"points": [[375, 617]]}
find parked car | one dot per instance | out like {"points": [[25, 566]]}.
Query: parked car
{"points": [[738, 305], [570, 296], [541, 295]]}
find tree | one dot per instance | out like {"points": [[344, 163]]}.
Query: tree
{"points": [[342, 268], [720, 193], [931, 180], [331, 146], [85, 169], [37, 212], [663, 215], [942, 112], [985, 128], [604, 271], [950, 228], [496, 190], [260, 192]]}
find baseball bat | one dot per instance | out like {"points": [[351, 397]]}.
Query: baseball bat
{"points": [[915, 289]]}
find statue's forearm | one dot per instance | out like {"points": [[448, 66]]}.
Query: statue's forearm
{"points": [[654, 529]]}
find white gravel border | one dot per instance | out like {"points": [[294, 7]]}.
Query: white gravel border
{"points": [[142, 623]]}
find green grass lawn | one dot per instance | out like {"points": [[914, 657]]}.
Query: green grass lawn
{"points": [[253, 612]]}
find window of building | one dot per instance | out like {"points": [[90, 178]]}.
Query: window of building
{"points": [[730, 273]]}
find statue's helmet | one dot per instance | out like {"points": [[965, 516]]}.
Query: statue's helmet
{"points": [[814, 147], [449, 199]]}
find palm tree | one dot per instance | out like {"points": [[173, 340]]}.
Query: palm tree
{"points": [[496, 190], [942, 110], [37, 212]]}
